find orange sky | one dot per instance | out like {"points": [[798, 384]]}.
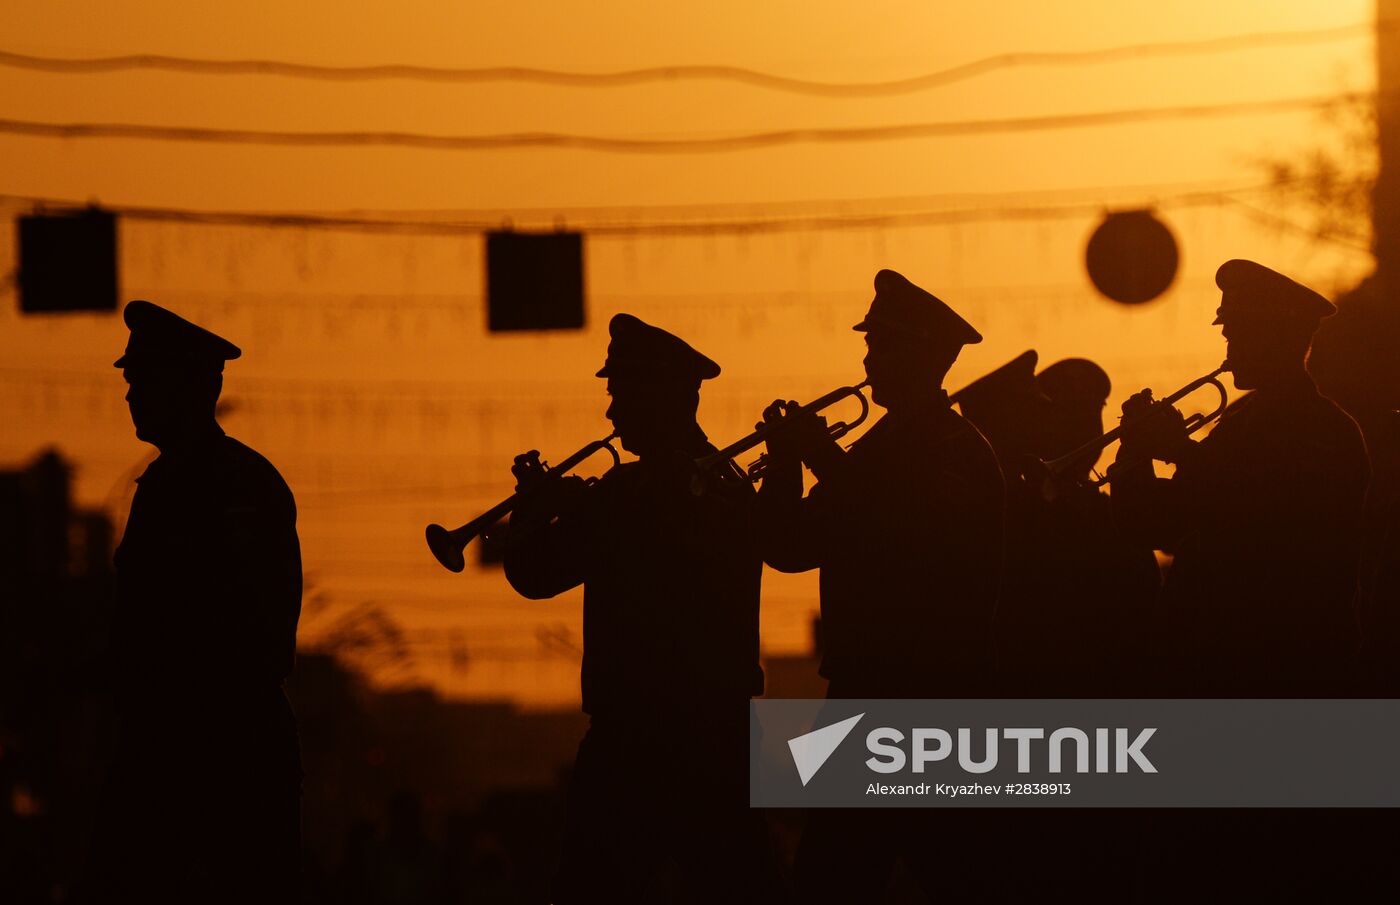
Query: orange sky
{"points": [[368, 377]]}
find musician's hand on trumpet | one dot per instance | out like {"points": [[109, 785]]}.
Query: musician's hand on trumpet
{"points": [[1152, 430], [542, 496], [804, 437], [1145, 435], [530, 473], [798, 434], [799, 445]]}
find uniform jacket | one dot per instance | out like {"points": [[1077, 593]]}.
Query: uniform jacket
{"points": [[670, 580], [209, 577], [907, 533]]}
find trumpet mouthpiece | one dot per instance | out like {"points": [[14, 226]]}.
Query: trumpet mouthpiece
{"points": [[444, 550]]}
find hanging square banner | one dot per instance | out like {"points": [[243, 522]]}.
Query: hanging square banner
{"points": [[68, 261], [534, 281]]}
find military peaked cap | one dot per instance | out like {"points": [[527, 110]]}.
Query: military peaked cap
{"points": [[1075, 381], [901, 306], [1250, 290], [1008, 387], [637, 349], [162, 336]]}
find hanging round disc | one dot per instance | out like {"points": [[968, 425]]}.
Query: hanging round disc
{"points": [[1132, 257]]}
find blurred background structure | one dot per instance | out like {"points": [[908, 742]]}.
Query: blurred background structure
{"points": [[316, 183]]}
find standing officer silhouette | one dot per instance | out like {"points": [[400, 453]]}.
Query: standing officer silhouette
{"points": [[906, 528], [1263, 518], [202, 798], [659, 797]]}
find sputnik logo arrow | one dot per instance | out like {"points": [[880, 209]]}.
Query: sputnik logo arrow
{"points": [[812, 750]]}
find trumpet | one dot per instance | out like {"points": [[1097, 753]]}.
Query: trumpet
{"points": [[1059, 467], [836, 431], [448, 546]]}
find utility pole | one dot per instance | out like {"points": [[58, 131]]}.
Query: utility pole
{"points": [[1356, 355]]}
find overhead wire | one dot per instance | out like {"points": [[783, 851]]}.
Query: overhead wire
{"points": [[721, 209], [681, 72], [692, 145], [1189, 197]]}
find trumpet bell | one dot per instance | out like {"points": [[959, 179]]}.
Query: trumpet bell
{"points": [[448, 553], [447, 546]]}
